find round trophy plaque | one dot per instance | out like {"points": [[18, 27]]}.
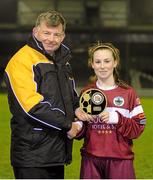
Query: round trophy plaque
{"points": [[93, 101]]}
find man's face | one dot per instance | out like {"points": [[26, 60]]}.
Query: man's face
{"points": [[50, 37]]}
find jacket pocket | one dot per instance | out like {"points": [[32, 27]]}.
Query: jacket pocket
{"points": [[39, 137]]}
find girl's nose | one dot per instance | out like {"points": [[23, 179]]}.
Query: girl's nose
{"points": [[102, 65]]}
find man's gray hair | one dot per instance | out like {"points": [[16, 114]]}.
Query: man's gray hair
{"points": [[51, 18]]}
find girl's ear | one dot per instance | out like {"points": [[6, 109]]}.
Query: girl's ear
{"points": [[92, 65], [115, 63]]}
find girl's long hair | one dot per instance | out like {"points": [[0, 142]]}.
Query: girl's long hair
{"points": [[116, 55]]}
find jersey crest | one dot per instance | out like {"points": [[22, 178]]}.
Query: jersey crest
{"points": [[118, 101]]}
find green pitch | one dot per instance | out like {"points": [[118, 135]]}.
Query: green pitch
{"points": [[143, 146]]}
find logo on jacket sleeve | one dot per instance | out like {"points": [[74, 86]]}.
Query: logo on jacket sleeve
{"points": [[118, 101]]}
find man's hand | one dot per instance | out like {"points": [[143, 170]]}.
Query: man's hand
{"points": [[75, 129]]}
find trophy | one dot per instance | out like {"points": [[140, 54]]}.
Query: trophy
{"points": [[93, 101]]}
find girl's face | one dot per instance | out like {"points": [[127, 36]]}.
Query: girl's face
{"points": [[103, 64]]}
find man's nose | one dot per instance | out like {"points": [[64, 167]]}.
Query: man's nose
{"points": [[51, 37]]}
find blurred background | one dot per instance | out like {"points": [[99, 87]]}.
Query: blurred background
{"points": [[126, 23]]}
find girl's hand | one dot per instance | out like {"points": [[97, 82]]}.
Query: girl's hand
{"points": [[104, 116], [82, 116]]}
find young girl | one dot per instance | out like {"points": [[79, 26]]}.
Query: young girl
{"points": [[107, 149]]}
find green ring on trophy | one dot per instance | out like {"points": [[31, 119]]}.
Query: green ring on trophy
{"points": [[93, 101]]}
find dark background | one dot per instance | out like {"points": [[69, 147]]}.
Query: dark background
{"points": [[126, 23]]}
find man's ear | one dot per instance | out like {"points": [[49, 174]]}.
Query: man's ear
{"points": [[63, 37], [34, 31]]}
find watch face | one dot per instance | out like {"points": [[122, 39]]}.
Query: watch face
{"points": [[93, 101]]}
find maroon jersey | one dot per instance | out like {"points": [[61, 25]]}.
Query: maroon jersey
{"points": [[114, 139]]}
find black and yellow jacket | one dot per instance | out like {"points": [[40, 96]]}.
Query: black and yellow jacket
{"points": [[42, 100]]}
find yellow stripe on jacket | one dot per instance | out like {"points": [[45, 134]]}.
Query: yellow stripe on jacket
{"points": [[21, 76]]}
